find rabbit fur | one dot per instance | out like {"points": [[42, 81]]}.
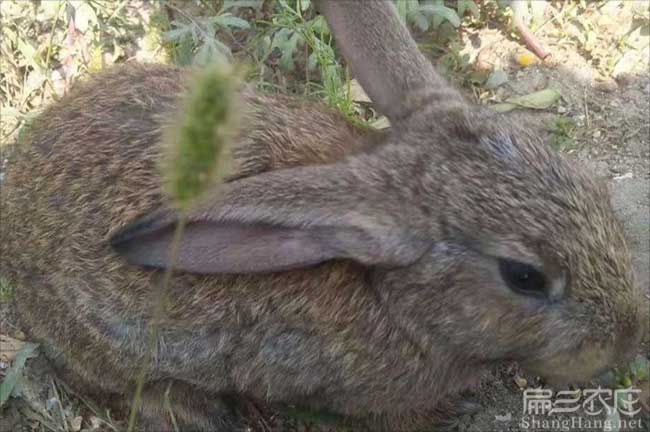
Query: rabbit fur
{"points": [[360, 272]]}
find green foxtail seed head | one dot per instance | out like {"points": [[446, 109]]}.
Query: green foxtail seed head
{"points": [[198, 145]]}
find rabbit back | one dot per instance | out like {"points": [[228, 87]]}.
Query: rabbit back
{"points": [[88, 165]]}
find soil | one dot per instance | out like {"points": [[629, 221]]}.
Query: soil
{"points": [[611, 135]]}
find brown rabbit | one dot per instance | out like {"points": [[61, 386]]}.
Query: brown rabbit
{"points": [[373, 275]]}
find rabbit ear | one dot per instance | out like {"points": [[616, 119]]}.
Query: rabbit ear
{"points": [[272, 222], [384, 57]]}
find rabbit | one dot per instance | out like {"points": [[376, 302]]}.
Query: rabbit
{"points": [[375, 275]]}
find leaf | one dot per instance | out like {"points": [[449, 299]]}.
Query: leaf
{"points": [[304, 5], [420, 21], [537, 100], [224, 51], [443, 12], [52, 8], [468, 5], [212, 51], [477, 77], [29, 52], [10, 112], [381, 123], [176, 34], [640, 367], [357, 93], [312, 61], [203, 54], [230, 4], [538, 8], [319, 25], [229, 20], [15, 372], [286, 41], [280, 37], [496, 78], [84, 16], [183, 52], [406, 7]]}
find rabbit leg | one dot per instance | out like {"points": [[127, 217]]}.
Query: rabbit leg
{"points": [[170, 406]]}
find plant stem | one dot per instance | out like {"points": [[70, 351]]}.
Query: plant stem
{"points": [[154, 324]]}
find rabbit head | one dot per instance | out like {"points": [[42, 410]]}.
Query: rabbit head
{"points": [[479, 240]]}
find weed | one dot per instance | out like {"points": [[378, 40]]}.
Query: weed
{"points": [[198, 148], [632, 373], [562, 133], [6, 290], [295, 26], [199, 151], [426, 14], [198, 35]]}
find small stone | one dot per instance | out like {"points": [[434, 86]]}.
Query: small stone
{"points": [[51, 403], [95, 423], [521, 382], [75, 424], [624, 79], [608, 85]]}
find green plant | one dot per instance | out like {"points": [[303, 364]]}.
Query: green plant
{"points": [[425, 14], [198, 147], [10, 384], [294, 27], [196, 38], [198, 155], [562, 132], [635, 371], [47, 45], [6, 290], [454, 62]]}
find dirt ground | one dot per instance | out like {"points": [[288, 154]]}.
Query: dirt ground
{"points": [[610, 134]]}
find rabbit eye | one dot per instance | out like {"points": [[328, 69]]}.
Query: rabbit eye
{"points": [[523, 278]]}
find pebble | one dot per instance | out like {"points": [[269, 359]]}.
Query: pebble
{"points": [[75, 424], [521, 382], [608, 85]]}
